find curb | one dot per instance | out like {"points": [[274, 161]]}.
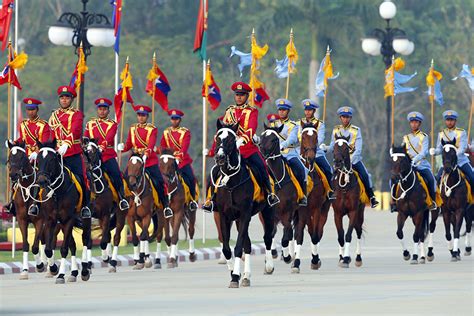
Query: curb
{"points": [[127, 260]]}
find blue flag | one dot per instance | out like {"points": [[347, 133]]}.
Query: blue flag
{"points": [[402, 79], [467, 74], [245, 58], [281, 67], [320, 78]]}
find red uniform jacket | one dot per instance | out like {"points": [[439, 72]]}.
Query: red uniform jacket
{"points": [[66, 126], [142, 139], [103, 130], [178, 139], [247, 118], [32, 130]]}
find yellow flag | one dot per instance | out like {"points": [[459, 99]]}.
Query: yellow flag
{"points": [[81, 67], [328, 71], [399, 64], [152, 73], [19, 61], [432, 75], [292, 55], [127, 83], [389, 81]]}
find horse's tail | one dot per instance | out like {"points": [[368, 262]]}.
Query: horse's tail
{"points": [[426, 223], [153, 235]]}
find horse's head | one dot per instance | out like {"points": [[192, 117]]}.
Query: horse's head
{"points": [[342, 157], [168, 164], [135, 171], [449, 155], [17, 160], [92, 152], [309, 142], [48, 163], [226, 142], [270, 140], [401, 162]]}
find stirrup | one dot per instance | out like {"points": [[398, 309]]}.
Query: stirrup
{"points": [[331, 195], [86, 212], [168, 212], [393, 208], [33, 210], [208, 206], [123, 205], [193, 206], [272, 199], [433, 206], [373, 202], [303, 201]]}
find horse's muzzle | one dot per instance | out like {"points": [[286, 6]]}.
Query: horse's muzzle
{"points": [[43, 181]]}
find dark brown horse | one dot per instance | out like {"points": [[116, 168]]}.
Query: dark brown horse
{"points": [[410, 199], [347, 202], [234, 202], [315, 214], [284, 187], [22, 176], [60, 191], [454, 193]]}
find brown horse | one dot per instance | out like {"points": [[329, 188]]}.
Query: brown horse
{"points": [[284, 187], [315, 214], [347, 202], [141, 209], [454, 193], [410, 200], [22, 176]]}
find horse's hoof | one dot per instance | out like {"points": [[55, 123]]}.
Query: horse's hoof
{"points": [[316, 266], [60, 279], [221, 260], [268, 271], [148, 263], [274, 253], [40, 267], [467, 251], [234, 285], [157, 266], [454, 259], [71, 279], [112, 269], [245, 282], [406, 255], [422, 260], [295, 270], [287, 259], [85, 275], [192, 256], [343, 265], [430, 258], [139, 266], [358, 262], [24, 275], [107, 259], [172, 263]]}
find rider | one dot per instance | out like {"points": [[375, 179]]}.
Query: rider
{"points": [[355, 145], [142, 139], [247, 117], [417, 144], [178, 139], [289, 144], [309, 110], [104, 130], [66, 124], [449, 133], [32, 130]]}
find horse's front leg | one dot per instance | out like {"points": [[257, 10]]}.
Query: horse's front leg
{"points": [[458, 218], [217, 221], [191, 230], [23, 224], [247, 269], [104, 224], [120, 224], [74, 268], [225, 226], [133, 232], [348, 238], [468, 215], [67, 232], [86, 261], [268, 228], [359, 231], [434, 217], [243, 226], [50, 235], [144, 242], [176, 223], [447, 227], [35, 249], [401, 218]]}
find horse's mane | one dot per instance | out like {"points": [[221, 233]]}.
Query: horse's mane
{"points": [[48, 144], [167, 151], [307, 124]]}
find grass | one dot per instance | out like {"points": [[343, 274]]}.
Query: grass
{"points": [[6, 256]]}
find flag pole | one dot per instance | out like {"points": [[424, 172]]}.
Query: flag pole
{"points": [[122, 121], [470, 119], [204, 145], [325, 88], [252, 94], [15, 89], [154, 89], [9, 101], [431, 96], [115, 91], [289, 67], [393, 101], [78, 88]]}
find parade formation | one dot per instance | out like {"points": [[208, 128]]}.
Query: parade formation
{"points": [[65, 170]]}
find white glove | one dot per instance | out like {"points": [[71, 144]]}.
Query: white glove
{"points": [[33, 156], [432, 151], [144, 158], [120, 146], [323, 147], [205, 152], [239, 142], [256, 139], [62, 149]]}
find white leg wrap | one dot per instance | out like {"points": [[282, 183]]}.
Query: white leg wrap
{"points": [[104, 254], [247, 266], [292, 247], [468, 239], [191, 245], [358, 246], [42, 254], [73, 263], [268, 261], [274, 244], [297, 251], [108, 248], [236, 269], [430, 240], [142, 246], [456, 244], [38, 259], [158, 250], [404, 246], [25, 260], [84, 254], [314, 249], [115, 253], [62, 267], [89, 255], [341, 250], [415, 248], [229, 264], [222, 254], [450, 244], [422, 249], [136, 253], [51, 260], [147, 247], [173, 251], [347, 249], [286, 251]]}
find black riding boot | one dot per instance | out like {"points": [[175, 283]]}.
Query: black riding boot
{"points": [[304, 200], [167, 211], [373, 200], [86, 211], [33, 210], [10, 206], [123, 203]]}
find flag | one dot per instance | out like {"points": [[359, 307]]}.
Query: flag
{"points": [[200, 38], [158, 86], [14, 62], [434, 87], [281, 68], [116, 19], [292, 55], [123, 94], [211, 91], [259, 92], [325, 73], [257, 53], [245, 59], [402, 79], [6, 12], [80, 69], [468, 74], [394, 80]]}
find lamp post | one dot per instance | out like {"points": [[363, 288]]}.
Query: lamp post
{"points": [[387, 43], [89, 28]]}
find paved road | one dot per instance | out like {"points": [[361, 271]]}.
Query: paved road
{"points": [[385, 284]]}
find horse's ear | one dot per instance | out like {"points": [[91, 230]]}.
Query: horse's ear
{"points": [[347, 137], [85, 141], [219, 124], [40, 144], [453, 141], [54, 143], [265, 126], [443, 142], [279, 129], [235, 127], [9, 144], [301, 123]]}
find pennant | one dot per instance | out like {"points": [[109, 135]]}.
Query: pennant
{"points": [[158, 86], [123, 94], [325, 73], [211, 91], [281, 68], [434, 87], [259, 92], [116, 19], [403, 79], [292, 56], [245, 59], [200, 38], [8, 73], [6, 12], [468, 74], [394, 80]]}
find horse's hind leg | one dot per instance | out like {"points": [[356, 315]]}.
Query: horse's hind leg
{"points": [[35, 249], [268, 226], [105, 239], [217, 221], [340, 233], [23, 224], [191, 229], [247, 270], [86, 262], [225, 226], [458, 218], [359, 230], [401, 218], [468, 216], [74, 268], [67, 232], [118, 231], [133, 232], [434, 217]]}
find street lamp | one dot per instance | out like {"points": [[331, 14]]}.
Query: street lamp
{"points": [[387, 43], [86, 28]]}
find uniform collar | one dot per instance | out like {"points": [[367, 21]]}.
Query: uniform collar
{"points": [[416, 132], [285, 120], [175, 128], [142, 125], [36, 119], [451, 129], [346, 127]]}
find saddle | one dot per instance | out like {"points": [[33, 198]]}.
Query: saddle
{"points": [[364, 197], [296, 184], [428, 200], [78, 188], [470, 197], [187, 191], [156, 201], [115, 195]]}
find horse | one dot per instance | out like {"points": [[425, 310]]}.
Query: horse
{"points": [[454, 194], [234, 201], [60, 191], [284, 187], [315, 214], [347, 202], [410, 198], [181, 215], [22, 176], [105, 208], [141, 209]]}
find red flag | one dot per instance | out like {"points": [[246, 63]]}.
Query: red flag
{"points": [[210, 90], [4, 75], [118, 103], [200, 38], [158, 83], [6, 13], [260, 96]]}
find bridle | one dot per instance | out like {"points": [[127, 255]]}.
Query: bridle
{"points": [[140, 178], [53, 186], [96, 171], [445, 177], [173, 179], [25, 190], [310, 130], [403, 179], [267, 133], [222, 134], [344, 174]]}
